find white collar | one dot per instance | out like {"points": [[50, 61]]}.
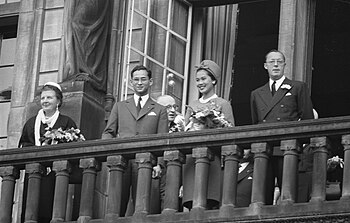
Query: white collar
{"points": [[201, 100], [278, 82], [144, 99]]}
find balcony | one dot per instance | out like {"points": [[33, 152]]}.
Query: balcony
{"points": [[322, 134]]}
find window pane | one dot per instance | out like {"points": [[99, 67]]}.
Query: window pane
{"points": [[157, 76], [156, 43], [159, 11], [3, 143], [179, 18], [6, 75], [177, 54], [138, 32], [141, 5], [8, 49], [174, 87], [4, 112]]}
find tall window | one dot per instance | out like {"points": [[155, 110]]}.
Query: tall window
{"points": [[158, 36], [8, 35]]}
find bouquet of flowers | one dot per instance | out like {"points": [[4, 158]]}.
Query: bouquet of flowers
{"points": [[210, 117], [55, 136]]}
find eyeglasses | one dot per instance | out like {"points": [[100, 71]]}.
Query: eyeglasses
{"points": [[273, 62], [175, 107]]}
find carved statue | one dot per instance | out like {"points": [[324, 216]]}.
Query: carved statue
{"points": [[87, 42]]}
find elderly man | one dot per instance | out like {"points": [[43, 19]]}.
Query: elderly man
{"points": [[175, 124]]}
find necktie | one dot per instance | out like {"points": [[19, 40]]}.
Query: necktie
{"points": [[138, 107], [273, 88]]}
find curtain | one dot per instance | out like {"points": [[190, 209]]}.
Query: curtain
{"points": [[220, 43]]}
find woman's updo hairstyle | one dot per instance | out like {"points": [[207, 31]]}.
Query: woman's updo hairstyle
{"points": [[56, 88]]}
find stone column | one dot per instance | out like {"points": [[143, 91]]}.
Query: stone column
{"points": [[261, 151], [174, 160], [145, 163], [117, 165], [320, 147], [90, 167], [35, 171], [291, 149], [231, 154], [346, 174], [62, 169], [9, 175], [202, 156]]}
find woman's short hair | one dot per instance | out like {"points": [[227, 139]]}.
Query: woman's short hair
{"points": [[57, 91]]}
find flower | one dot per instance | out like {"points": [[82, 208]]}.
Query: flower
{"points": [[286, 86], [178, 125], [55, 136], [333, 162], [209, 117]]}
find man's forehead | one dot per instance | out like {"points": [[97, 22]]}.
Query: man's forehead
{"points": [[166, 100]]}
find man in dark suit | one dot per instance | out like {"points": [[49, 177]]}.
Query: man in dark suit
{"points": [[138, 115], [245, 179], [280, 99]]}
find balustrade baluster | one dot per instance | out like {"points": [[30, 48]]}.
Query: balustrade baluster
{"points": [[320, 147], [62, 169], [174, 160], [34, 171], [291, 149], [117, 165], [9, 175], [231, 154], [90, 167], [261, 151], [346, 168], [145, 163], [202, 156]]}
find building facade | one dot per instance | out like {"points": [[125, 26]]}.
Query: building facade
{"points": [[90, 47]]}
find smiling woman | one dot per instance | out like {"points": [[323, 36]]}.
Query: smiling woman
{"points": [[48, 116]]}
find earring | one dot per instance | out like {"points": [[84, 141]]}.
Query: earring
{"points": [[214, 82]]}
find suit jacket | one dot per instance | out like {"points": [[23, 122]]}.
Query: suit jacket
{"points": [[244, 186], [290, 103], [124, 120]]}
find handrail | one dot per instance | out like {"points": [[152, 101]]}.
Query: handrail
{"points": [[240, 135], [261, 138]]}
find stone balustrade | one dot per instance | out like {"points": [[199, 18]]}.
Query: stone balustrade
{"points": [[321, 134]]}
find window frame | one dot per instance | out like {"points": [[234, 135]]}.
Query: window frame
{"points": [[128, 48]]}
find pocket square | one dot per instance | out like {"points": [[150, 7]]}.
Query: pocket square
{"points": [[288, 94], [250, 178], [152, 114]]}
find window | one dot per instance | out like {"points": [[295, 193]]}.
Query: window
{"points": [[8, 35], [158, 36]]}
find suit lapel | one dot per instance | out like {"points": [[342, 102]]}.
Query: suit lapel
{"points": [[248, 170], [146, 108], [130, 104], [280, 93], [265, 94]]}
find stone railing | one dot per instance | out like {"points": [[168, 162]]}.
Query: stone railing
{"points": [[321, 134]]}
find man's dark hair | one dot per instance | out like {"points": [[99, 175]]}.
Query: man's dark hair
{"points": [[275, 51], [141, 67]]}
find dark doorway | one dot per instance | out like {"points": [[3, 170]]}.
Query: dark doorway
{"points": [[258, 25], [331, 59]]}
